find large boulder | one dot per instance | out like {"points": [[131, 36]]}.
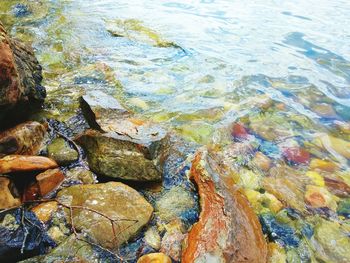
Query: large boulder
{"points": [[110, 214], [20, 77]]}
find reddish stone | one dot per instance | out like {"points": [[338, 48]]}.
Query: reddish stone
{"points": [[49, 181], [31, 193], [337, 187], [22, 163], [239, 131], [296, 155], [228, 230]]}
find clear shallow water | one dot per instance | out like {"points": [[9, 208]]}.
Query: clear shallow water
{"points": [[279, 68]]}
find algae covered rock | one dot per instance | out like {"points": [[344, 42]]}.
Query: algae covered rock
{"points": [[123, 157], [60, 151], [25, 139], [110, 213]]}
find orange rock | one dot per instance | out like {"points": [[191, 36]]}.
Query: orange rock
{"points": [[154, 258], [7, 200], [262, 161], [32, 192], [44, 210], [228, 230], [337, 187], [316, 199], [323, 165], [49, 181], [19, 163]]}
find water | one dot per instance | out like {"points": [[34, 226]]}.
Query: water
{"points": [[281, 68]]}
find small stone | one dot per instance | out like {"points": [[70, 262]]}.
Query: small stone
{"points": [[261, 161], [129, 210], [239, 131], [24, 139], [7, 198], [173, 203], [154, 258], [172, 239], [21, 163], [337, 187], [344, 207], [81, 174], [319, 197], [49, 180], [56, 234], [296, 155], [60, 151], [152, 238], [332, 144], [327, 166], [324, 110], [45, 210]]}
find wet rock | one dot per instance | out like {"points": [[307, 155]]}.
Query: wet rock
{"points": [[134, 30], [239, 131], [49, 180], [82, 175], [152, 238], [172, 240], [60, 151], [45, 210], [333, 243], [317, 197], [227, 223], [324, 110], [117, 201], [154, 258], [21, 10], [296, 155], [7, 198], [174, 203], [327, 166], [21, 163], [120, 156], [24, 139], [261, 161], [102, 110], [344, 207], [20, 77], [337, 187], [334, 145]]}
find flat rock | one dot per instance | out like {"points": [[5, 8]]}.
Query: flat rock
{"points": [[228, 229], [49, 180], [60, 151], [23, 163], [123, 157], [117, 201]]}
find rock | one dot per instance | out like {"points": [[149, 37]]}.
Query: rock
{"points": [[134, 30], [120, 156], [45, 210], [239, 131], [152, 238], [174, 203], [337, 187], [172, 240], [334, 145], [324, 110], [327, 166], [276, 253], [102, 110], [49, 180], [261, 161], [333, 243], [117, 201], [82, 175], [60, 151], [318, 197], [296, 155], [227, 223], [20, 78], [344, 207], [7, 198], [21, 163], [24, 139], [316, 178], [154, 258]]}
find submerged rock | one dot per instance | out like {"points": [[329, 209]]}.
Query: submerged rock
{"points": [[120, 156], [20, 77], [228, 230], [7, 198], [60, 151], [22, 163], [154, 258], [94, 206], [81, 175], [25, 139], [45, 210]]}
